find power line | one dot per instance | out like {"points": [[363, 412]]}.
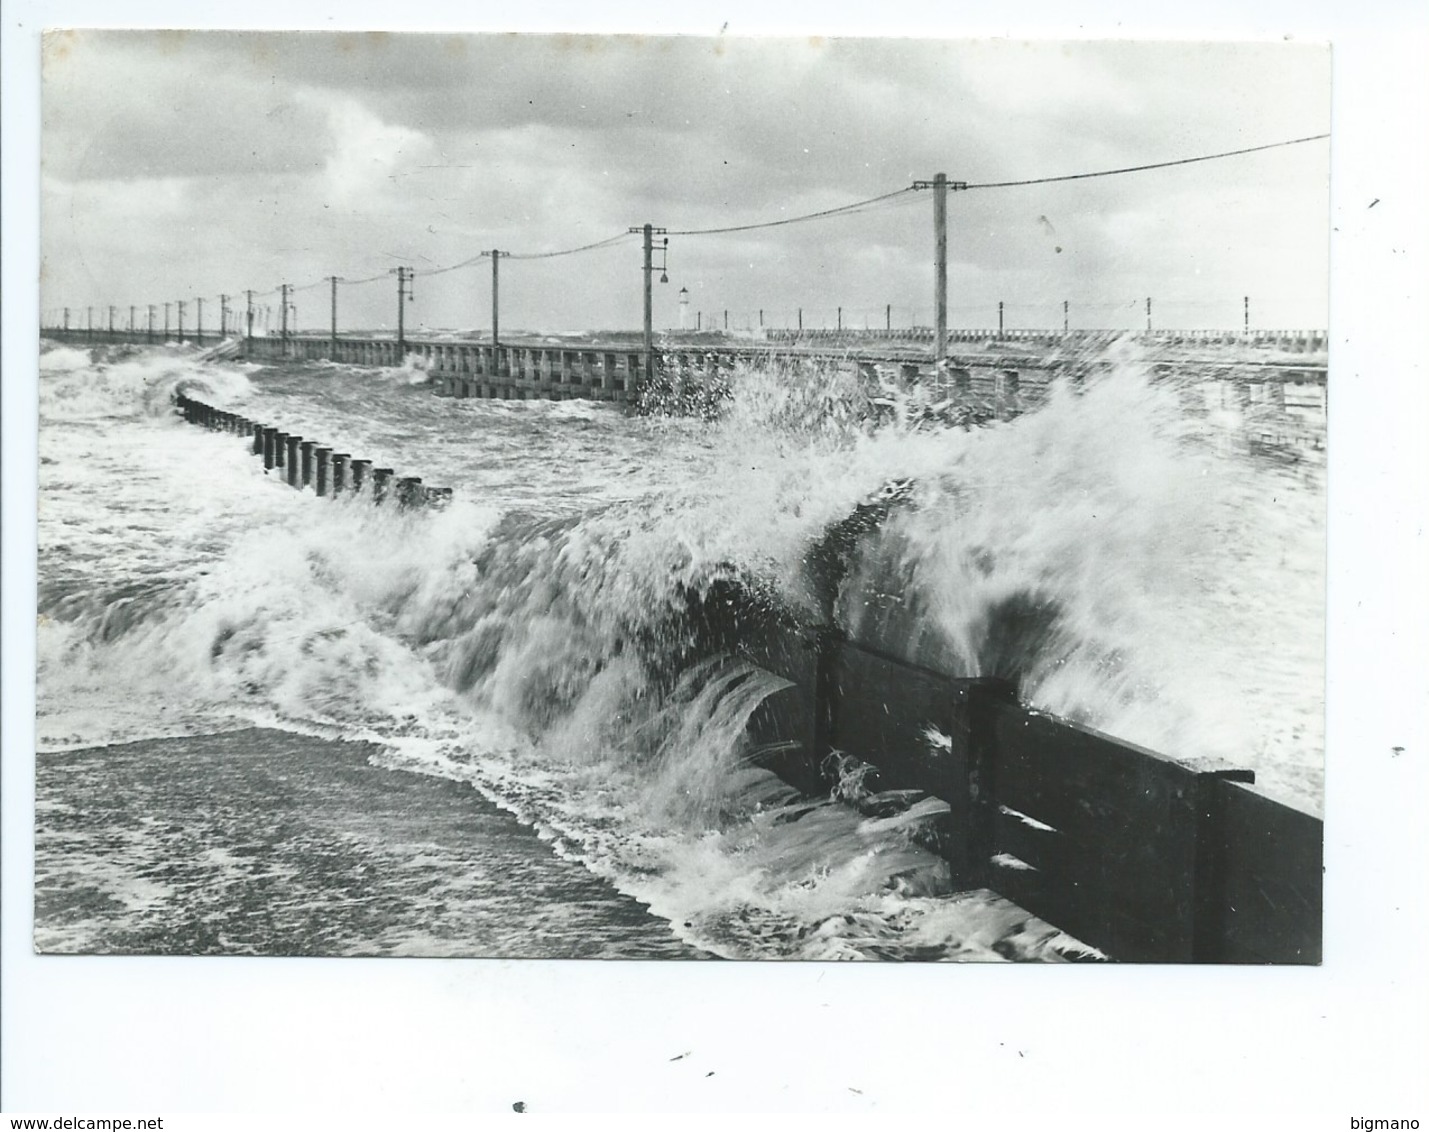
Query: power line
{"points": [[570, 251], [856, 206], [1142, 168], [896, 196], [452, 267]]}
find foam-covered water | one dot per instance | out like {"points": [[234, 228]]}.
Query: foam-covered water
{"points": [[532, 640]]}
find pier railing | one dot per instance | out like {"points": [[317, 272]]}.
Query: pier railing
{"points": [[1287, 341]]}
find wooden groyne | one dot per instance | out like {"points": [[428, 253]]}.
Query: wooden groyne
{"points": [[1145, 857], [308, 464]]}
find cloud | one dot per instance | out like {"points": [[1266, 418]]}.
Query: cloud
{"points": [[122, 106], [299, 155]]}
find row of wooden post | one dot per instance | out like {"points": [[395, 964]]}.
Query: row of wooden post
{"points": [[305, 463]]}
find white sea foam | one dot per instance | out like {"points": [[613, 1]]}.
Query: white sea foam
{"points": [[525, 639]]}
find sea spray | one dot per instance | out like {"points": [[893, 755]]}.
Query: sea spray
{"points": [[536, 640]]}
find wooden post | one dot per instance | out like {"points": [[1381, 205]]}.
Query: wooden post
{"points": [[307, 462], [974, 701], [380, 479], [409, 491], [324, 470], [292, 463], [360, 468], [339, 472]]}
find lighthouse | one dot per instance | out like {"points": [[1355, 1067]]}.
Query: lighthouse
{"points": [[684, 308]]}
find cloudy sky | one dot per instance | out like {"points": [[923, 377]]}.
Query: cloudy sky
{"points": [[178, 166]]}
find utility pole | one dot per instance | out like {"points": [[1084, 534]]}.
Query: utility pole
{"points": [[334, 280], [841, 318], [496, 256], [1247, 314], [940, 268], [166, 320], [404, 296], [181, 304], [131, 320], [249, 293], [940, 186], [66, 320], [223, 316], [198, 329], [649, 231], [999, 318], [1064, 316], [111, 320], [151, 322], [1148, 315], [284, 289], [888, 317]]}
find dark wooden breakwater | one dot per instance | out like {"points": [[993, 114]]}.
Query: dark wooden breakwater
{"points": [[1145, 857], [308, 464]]}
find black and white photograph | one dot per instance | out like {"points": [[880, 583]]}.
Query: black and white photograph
{"points": [[570, 511], [781, 498]]}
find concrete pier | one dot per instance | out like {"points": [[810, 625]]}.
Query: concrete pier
{"points": [[988, 365]]}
